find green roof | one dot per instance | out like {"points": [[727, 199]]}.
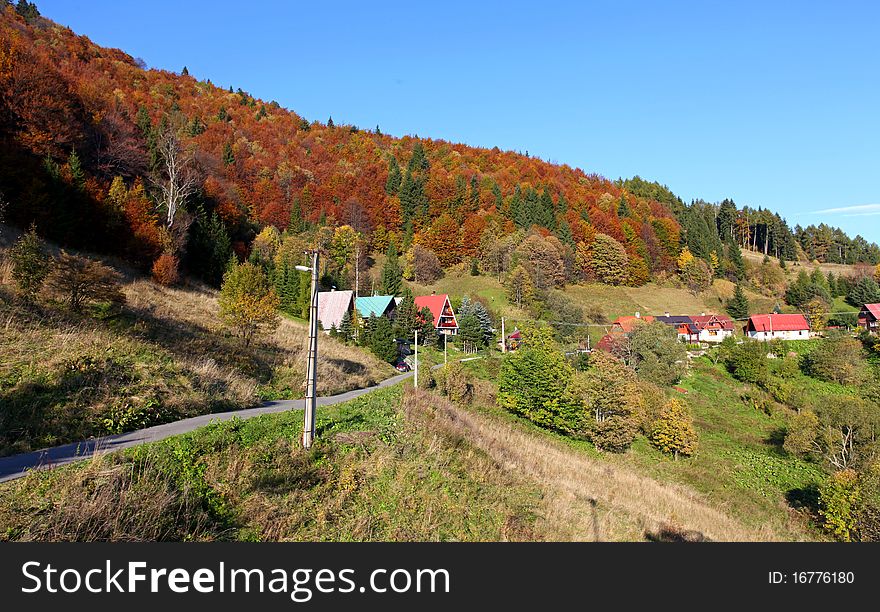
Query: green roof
{"points": [[373, 305]]}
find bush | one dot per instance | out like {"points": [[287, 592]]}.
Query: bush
{"points": [[248, 303], [800, 438], [78, 281], [614, 434], [165, 270], [454, 381], [748, 362], [839, 499], [838, 359]]}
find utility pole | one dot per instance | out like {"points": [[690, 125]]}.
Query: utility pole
{"points": [[445, 338], [416, 360], [312, 363], [503, 337], [357, 268]]}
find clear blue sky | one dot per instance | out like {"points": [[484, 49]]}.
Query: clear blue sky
{"points": [[773, 104]]}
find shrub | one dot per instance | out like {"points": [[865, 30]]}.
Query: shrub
{"points": [[454, 381], [800, 438], [30, 263], [839, 499], [748, 362], [534, 383], [165, 270], [78, 281], [837, 359], [248, 303], [614, 434], [674, 431]]}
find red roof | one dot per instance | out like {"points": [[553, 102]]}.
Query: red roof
{"points": [[778, 322], [606, 343], [703, 321], [436, 304], [874, 309], [628, 323]]}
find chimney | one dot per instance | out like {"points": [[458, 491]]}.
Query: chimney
{"points": [[702, 314], [433, 293], [666, 314], [638, 315]]}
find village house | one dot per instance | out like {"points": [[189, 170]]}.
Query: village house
{"points": [[713, 328], [332, 306], [777, 326], [376, 306], [684, 326], [440, 307], [624, 325], [869, 316]]}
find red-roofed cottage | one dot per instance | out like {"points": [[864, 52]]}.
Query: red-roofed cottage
{"points": [[713, 328], [781, 326], [441, 308], [623, 326], [869, 317]]}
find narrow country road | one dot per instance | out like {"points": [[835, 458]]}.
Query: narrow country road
{"points": [[17, 466]]}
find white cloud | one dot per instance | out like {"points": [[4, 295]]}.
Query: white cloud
{"points": [[861, 210]]}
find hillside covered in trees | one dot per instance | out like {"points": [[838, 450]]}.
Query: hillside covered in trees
{"points": [[168, 170]]}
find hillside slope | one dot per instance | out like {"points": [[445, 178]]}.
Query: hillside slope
{"points": [[65, 377], [74, 116]]}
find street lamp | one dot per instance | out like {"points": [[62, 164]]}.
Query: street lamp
{"points": [[312, 363]]}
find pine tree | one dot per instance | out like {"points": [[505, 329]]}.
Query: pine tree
{"points": [[185, 71], [77, 175], [30, 263], [392, 274], [737, 264], [330, 123], [382, 339], [228, 155], [738, 305], [623, 207], [346, 327], [392, 183], [406, 318], [470, 334], [674, 432], [427, 331]]}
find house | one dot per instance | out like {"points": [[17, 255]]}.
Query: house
{"points": [[607, 343], [772, 326], [713, 328], [376, 306], [685, 327], [513, 340], [332, 306], [624, 326], [441, 308], [869, 316]]}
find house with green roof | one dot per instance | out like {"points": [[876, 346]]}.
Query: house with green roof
{"points": [[376, 305]]}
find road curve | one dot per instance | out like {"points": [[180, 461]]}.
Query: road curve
{"points": [[16, 466]]}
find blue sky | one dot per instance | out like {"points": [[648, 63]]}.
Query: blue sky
{"points": [[773, 104]]}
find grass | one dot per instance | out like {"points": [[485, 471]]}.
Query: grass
{"points": [[387, 466], [66, 377], [739, 469]]}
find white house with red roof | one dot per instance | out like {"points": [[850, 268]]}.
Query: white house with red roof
{"points": [[713, 327], [441, 309], [869, 316], [777, 326]]}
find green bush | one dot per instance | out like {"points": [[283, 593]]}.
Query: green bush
{"points": [[748, 362]]}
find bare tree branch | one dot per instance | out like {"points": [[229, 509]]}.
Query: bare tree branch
{"points": [[179, 178]]}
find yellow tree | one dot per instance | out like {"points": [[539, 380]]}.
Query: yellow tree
{"points": [[248, 302], [673, 431], [684, 258]]}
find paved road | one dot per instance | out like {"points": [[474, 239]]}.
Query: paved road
{"points": [[16, 466]]}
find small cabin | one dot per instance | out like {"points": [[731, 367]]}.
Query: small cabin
{"points": [[869, 316], [332, 306]]}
